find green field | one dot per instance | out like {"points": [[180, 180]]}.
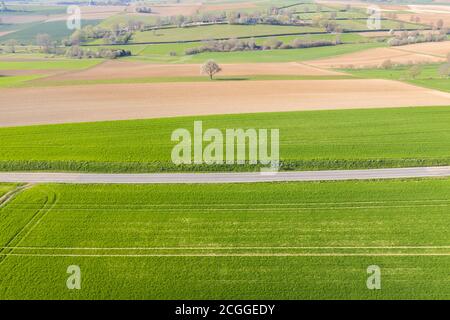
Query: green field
{"points": [[340, 139], [235, 241], [46, 83], [429, 76], [154, 53], [4, 188], [217, 31], [161, 52], [56, 29], [49, 64], [33, 10], [16, 81]]}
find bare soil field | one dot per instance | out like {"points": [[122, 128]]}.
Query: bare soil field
{"points": [[171, 10], [387, 33], [116, 69], [417, 53], [227, 6], [4, 33], [440, 49], [13, 19], [360, 4], [26, 106], [426, 17], [94, 12], [429, 8]]}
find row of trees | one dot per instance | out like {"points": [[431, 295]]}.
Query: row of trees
{"points": [[249, 45], [113, 35], [79, 53], [416, 70], [416, 37]]}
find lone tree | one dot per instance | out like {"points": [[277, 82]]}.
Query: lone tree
{"points": [[210, 68], [44, 41], [415, 71], [444, 70]]}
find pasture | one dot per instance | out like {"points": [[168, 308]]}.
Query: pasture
{"points": [[428, 76], [237, 241], [57, 30], [340, 139]]}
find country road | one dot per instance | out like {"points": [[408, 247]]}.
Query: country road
{"points": [[235, 177]]}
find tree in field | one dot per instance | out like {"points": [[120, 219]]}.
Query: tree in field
{"points": [[210, 68], [440, 24], [444, 70], [44, 41], [11, 46], [415, 71], [387, 64]]}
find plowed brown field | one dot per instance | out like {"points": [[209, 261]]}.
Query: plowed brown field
{"points": [[27, 106]]}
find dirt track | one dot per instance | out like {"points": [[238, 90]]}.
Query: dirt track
{"points": [[26, 106], [116, 69]]}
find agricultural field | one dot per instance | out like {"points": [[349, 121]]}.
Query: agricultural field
{"points": [[5, 188], [56, 29], [331, 231], [345, 139], [428, 75], [218, 32], [89, 122]]}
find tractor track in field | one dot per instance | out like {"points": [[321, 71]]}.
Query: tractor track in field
{"points": [[23, 232]]}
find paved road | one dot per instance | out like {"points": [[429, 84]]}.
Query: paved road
{"points": [[44, 177]]}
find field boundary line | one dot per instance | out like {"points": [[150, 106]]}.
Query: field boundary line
{"points": [[230, 255], [228, 248], [419, 53]]}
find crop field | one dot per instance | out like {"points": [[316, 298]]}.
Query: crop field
{"points": [[160, 53], [429, 76], [5, 188], [308, 140], [33, 10], [217, 32], [48, 64], [56, 29], [281, 55], [238, 241], [84, 111]]}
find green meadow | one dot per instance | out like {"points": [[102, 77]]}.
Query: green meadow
{"points": [[17, 81], [229, 241], [5, 188], [56, 29], [49, 64], [428, 77], [172, 80], [217, 31], [338, 139], [158, 54]]}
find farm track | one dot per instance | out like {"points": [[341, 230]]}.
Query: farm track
{"points": [[164, 178]]}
